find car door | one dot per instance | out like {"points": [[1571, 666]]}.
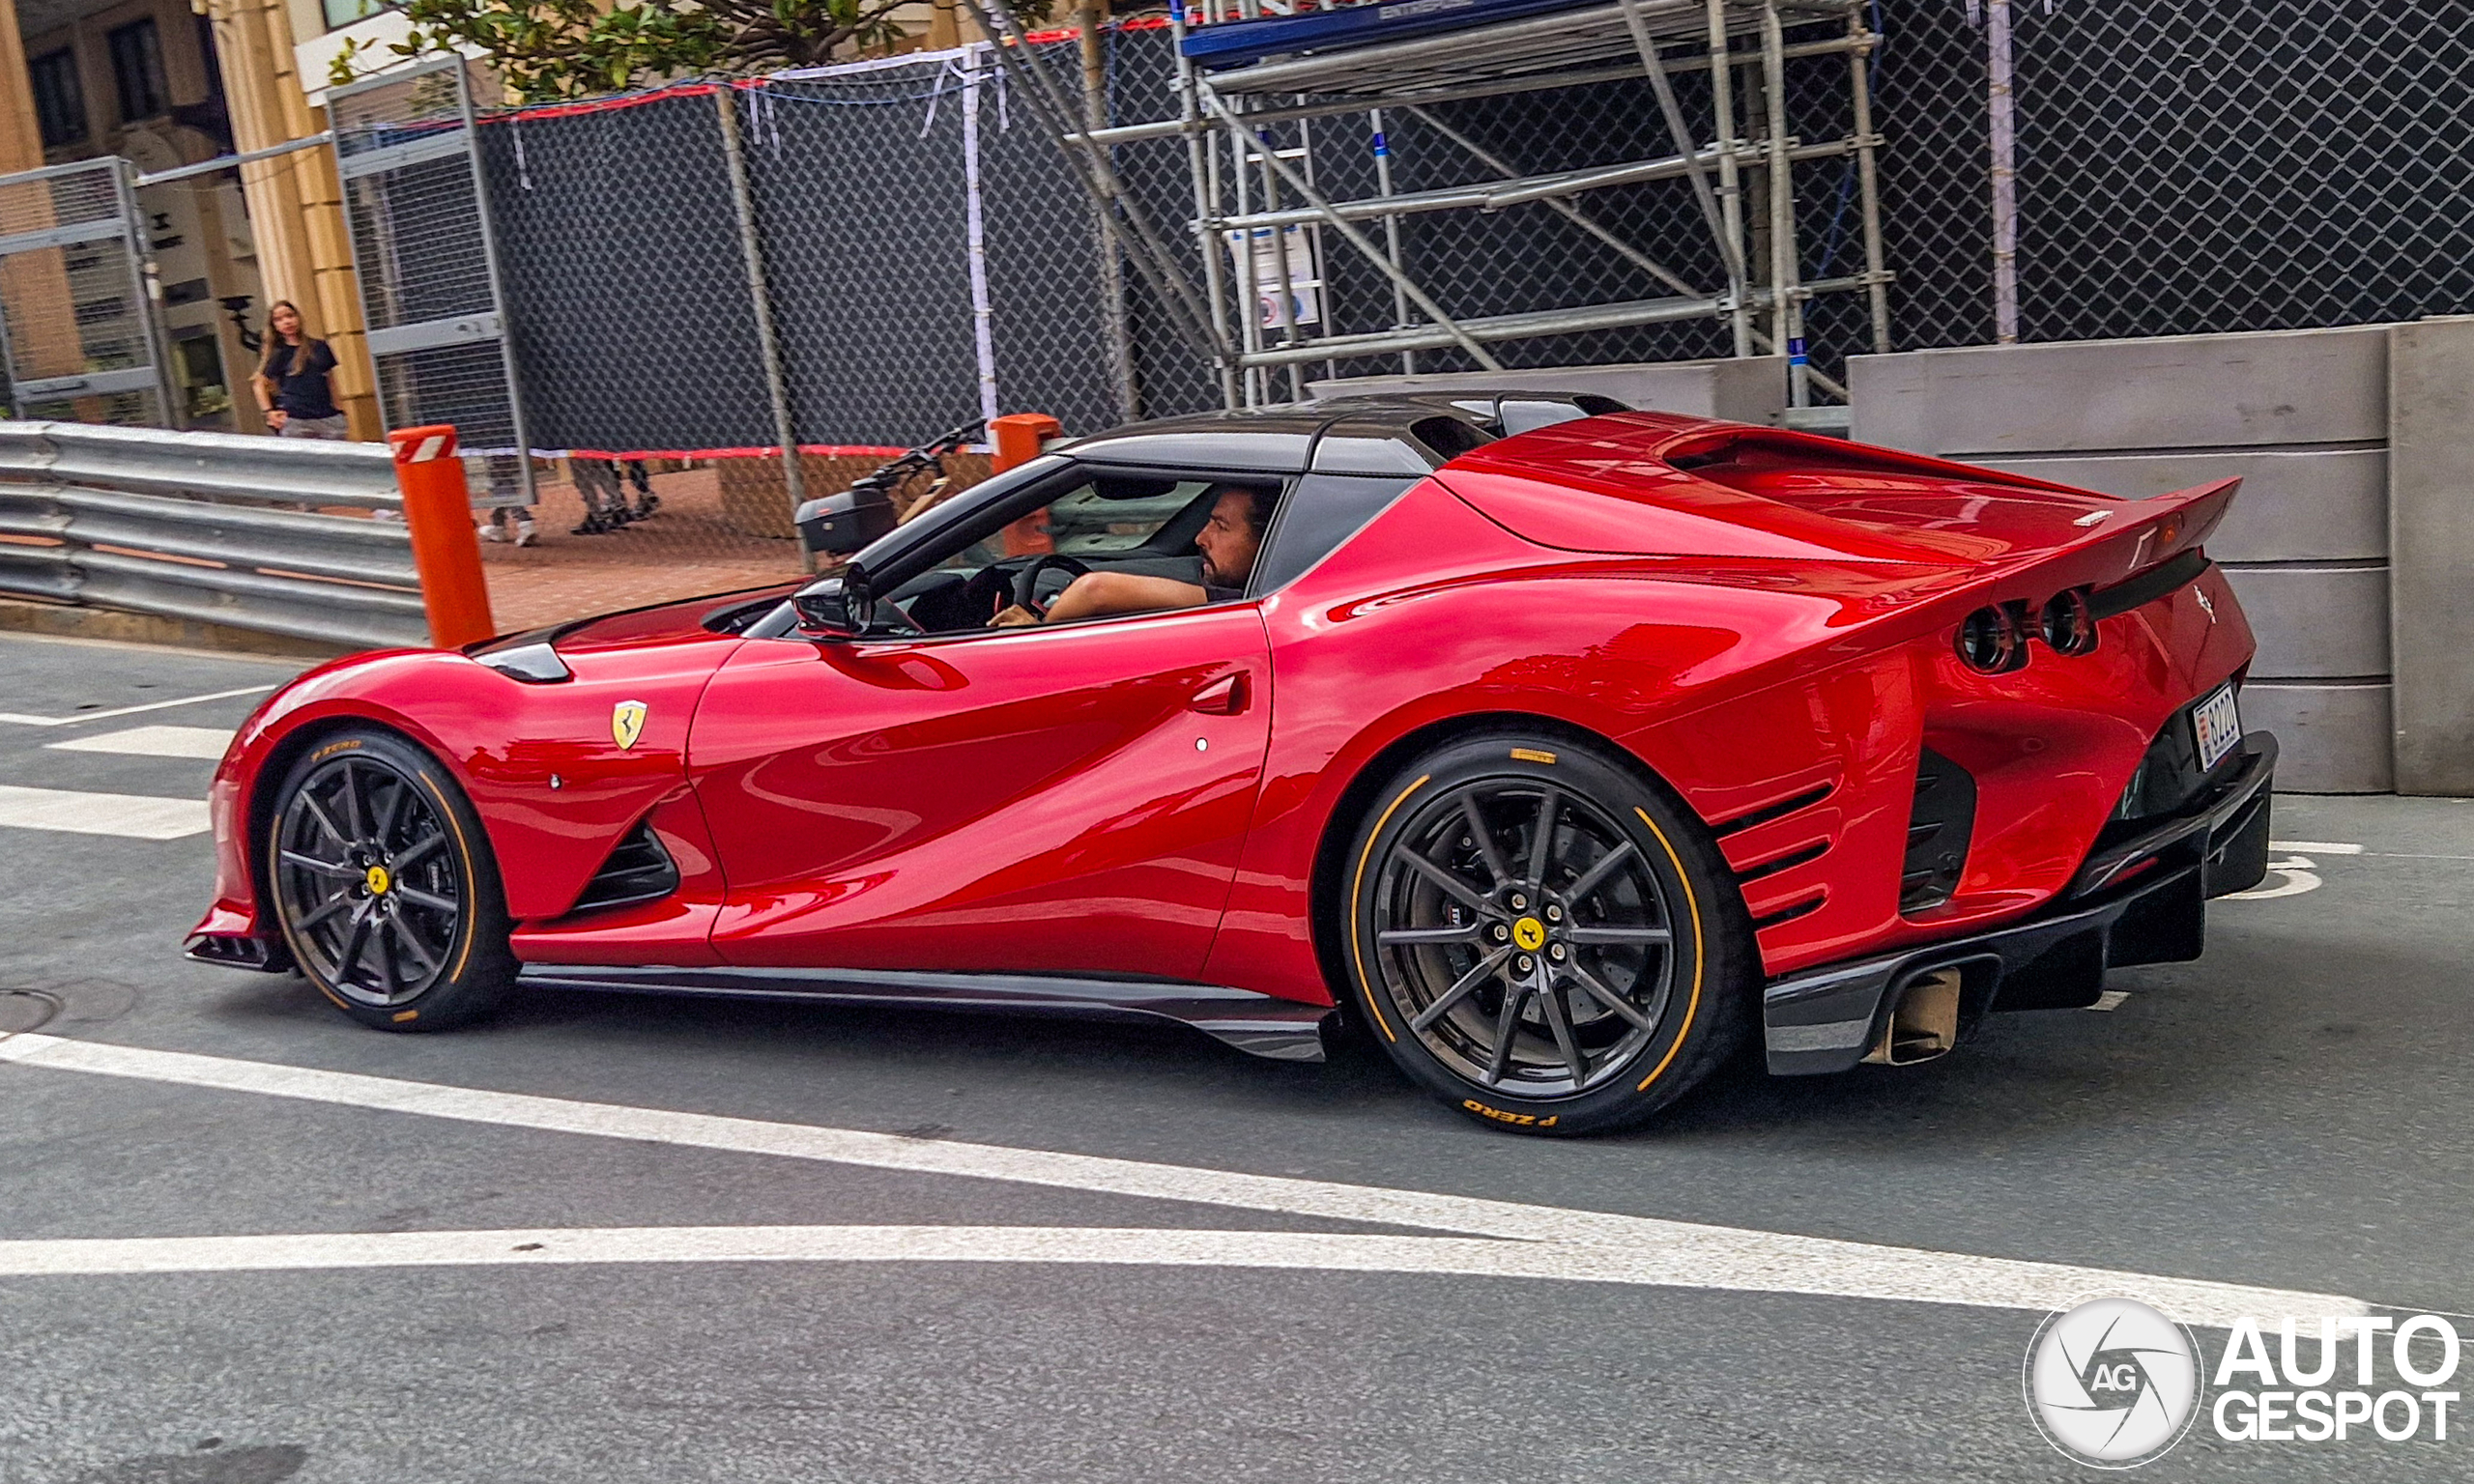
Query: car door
{"points": [[1067, 800]]}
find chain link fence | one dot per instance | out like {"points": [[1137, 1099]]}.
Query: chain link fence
{"points": [[630, 305]]}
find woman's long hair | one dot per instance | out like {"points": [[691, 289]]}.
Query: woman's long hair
{"points": [[274, 341]]}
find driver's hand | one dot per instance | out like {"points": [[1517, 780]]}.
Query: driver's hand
{"points": [[1012, 617]]}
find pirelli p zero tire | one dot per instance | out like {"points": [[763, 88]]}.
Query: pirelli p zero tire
{"points": [[1542, 938], [382, 882]]}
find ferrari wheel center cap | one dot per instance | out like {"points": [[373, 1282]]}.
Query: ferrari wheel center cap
{"points": [[379, 880], [1530, 933]]}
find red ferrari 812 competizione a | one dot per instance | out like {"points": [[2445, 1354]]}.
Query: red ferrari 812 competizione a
{"points": [[1560, 748]]}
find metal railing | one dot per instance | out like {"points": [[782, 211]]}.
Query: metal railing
{"points": [[212, 526]]}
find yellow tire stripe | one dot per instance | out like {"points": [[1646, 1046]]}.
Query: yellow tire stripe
{"points": [[472, 874], [1693, 906], [1357, 891]]}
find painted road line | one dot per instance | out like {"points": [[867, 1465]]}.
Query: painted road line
{"points": [[21, 720], [130, 816], [207, 742], [1676, 1254], [1577, 1261], [2313, 847]]}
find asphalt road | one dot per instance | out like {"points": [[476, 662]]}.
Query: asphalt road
{"points": [[2289, 1113]]}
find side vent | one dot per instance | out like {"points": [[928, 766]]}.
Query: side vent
{"points": [[1938, 828], [639, 870]]}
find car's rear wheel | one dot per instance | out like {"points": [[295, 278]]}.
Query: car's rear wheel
{"points": [[1542, 938], [382, 883]]}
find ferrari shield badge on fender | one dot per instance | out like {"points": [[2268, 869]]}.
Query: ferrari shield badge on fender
{"points": [[626, 723]]}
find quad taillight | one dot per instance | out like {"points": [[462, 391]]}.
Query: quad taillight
{"points": [[1994, 638]]}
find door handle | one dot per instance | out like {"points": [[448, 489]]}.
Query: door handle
{"points": [[1225, 697]]}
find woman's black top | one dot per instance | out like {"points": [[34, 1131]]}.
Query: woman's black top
{"points": [[304, 394]]}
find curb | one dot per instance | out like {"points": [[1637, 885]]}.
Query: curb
{"points": [[70, 621]]}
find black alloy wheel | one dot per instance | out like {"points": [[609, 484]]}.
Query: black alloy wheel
{"points": [[384, 888], [1534, 927]]}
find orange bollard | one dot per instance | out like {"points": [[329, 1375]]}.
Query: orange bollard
{"points": [[438, 511], [1018, 437]]}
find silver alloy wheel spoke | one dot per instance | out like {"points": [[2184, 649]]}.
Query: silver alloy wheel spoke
{"points": [[1589, 983], [326, 821], [1590, 878], [410, 941], [387, 820], [418, 848], [354, 943], [354, 814], [340, 871], [1411, 938], [1485, 840], [319, 914], [1549, 805], [388, 980], [1552, 1002], [420, 898], [1612, 935], [1507, 1027], [1460, 989], [1461, 891]]}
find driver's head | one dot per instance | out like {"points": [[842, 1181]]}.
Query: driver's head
{"points": [[1234, 533]]}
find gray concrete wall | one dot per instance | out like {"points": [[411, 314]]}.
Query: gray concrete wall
{"points": [[1748, 390], [2431, 524], [2303, 415]]}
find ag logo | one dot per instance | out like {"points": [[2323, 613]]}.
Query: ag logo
{"points": [[626, 723], [2112, 1382]]}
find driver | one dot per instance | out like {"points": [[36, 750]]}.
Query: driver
{"points": [[1228, 542]]}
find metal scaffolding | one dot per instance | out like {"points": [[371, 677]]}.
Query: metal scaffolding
{"points": [[1256, 196]]}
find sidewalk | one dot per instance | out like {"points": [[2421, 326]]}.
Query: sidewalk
{"points": [[684, 550]]}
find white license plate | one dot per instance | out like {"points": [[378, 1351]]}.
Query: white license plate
{"points": [[2217, 726]]}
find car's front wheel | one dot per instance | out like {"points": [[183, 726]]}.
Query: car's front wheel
{"points": [[382, 883], [1542, 938]]}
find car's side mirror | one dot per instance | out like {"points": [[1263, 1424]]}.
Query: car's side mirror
{"points": [[837, 607], [838, 524]]}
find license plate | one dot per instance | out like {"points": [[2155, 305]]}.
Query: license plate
{"points": [[2218, 728]]}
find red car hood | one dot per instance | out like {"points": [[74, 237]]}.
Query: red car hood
{"points": [[661, 623]]}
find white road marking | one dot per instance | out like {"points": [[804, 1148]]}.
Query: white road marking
{"points": [[1641, 1249], [2300, 876], [152, 705], [207, 742], [2313, 847], [130, 816], [2108, 999]]}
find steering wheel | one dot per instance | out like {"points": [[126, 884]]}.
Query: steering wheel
{"points": [[1027, 581]]}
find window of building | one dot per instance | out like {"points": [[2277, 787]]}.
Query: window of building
{"points": [[137, 71], [343, 12], [60, 104]]}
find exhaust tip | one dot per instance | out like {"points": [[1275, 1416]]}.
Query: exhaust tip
{"points": [[1924, 1022]]}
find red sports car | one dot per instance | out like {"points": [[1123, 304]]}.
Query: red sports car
{"points": [[1558, 749]]}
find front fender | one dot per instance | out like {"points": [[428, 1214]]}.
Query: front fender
{"points": [[555, 784]]}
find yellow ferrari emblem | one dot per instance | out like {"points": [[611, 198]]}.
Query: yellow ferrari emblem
{"points": [[1530, 933], [627, 723], [379, 882]]}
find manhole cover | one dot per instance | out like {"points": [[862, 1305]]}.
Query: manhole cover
{"points": [[23, 1009]]}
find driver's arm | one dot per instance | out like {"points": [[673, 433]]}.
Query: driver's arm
{"points": [[1097, 594]]}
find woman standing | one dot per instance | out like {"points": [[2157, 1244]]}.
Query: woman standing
{"points": [[292, 381]]}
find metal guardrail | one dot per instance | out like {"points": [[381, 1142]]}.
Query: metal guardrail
{"points": [[212, 526]]}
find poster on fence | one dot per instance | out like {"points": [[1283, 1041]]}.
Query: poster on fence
{"points": [[1304, 303]]}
